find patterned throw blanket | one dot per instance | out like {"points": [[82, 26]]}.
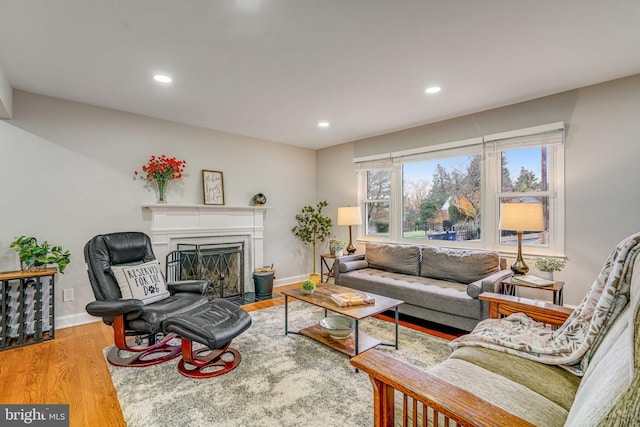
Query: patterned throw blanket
{"points": [[571, 345]]}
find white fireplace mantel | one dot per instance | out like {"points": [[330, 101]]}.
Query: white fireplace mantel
{"points": [[172, 224]]}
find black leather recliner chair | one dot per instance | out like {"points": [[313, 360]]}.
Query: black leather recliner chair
{"points": [[138, 328]]}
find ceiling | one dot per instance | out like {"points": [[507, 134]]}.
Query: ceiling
{"points": [[272, 69]]}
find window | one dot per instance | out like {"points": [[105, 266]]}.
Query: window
{"points": [[525, 178], [377, 203], [452, 192], [442, 199]]}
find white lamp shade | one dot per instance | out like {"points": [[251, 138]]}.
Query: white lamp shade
{"points": [[521, 217], [349, 215]]}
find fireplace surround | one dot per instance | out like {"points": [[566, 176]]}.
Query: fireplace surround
{"points": [[184, 224]]}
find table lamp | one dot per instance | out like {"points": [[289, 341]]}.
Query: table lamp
{"points": [[521, 217], [350, 216]]}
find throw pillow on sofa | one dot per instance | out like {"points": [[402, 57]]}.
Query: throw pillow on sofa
{"points": [[458, 265], [403, 259]]}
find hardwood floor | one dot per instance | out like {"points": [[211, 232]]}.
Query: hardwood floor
{"points": [[71, 369]]}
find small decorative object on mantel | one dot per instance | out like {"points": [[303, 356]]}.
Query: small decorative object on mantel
{"points": [[548, 265], [212, 187], [259, 199], [162, 169], [34, 256], [308, 286]]}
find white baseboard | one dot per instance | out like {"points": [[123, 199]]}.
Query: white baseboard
{"points": [[289, 280], [75, 320]]}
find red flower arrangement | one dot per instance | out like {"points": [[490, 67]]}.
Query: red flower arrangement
{"points": [[163, 169]]}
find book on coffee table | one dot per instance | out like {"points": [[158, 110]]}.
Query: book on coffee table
{"points": [[348, 299]]}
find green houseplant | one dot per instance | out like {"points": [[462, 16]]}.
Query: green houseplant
{"points": [[548, 265], [34, 255], [337, 246], [308, 286], [313, 227]]}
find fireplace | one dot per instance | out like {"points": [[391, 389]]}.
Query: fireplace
{"points": [[220, 264], [211, 226]]}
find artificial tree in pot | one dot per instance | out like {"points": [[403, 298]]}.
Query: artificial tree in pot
{"points": [[313, 227]]}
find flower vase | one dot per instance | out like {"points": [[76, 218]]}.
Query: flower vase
{"points": [[546, 275], [162, 189]]}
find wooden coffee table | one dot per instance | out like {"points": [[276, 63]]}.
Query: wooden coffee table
{"points": [[357, 342]]}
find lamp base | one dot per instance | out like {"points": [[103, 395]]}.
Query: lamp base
{"points": [[351, 249], [519, 267]]}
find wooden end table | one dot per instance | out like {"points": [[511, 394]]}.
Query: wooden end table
{"points": [[509, 288], [357, 342], [325, 259]]}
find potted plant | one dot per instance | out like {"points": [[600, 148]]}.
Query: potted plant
{"points": [[308, 286], [313, 227], [337, 246], [548, 265], [35, 256]]}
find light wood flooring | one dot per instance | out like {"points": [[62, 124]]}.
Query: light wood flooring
{"points": [[71, 369]]}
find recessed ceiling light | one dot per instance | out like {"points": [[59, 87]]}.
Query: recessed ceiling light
{"points": [[433, 89], [323, 124], [162, 78]]}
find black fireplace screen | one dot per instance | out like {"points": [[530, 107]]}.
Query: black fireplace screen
{"points": [[220, 264]]}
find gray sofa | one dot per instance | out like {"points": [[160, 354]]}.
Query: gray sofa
{"points": [[437, 284]]}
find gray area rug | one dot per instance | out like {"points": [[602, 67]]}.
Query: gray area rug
{"points": [[282, 380]]}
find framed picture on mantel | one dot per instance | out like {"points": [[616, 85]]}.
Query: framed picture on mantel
{"points": [[212, 187]]}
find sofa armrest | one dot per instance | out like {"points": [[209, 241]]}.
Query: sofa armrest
{"points": [[388, 374], [541, 311], [344, 260], [490, 283]]}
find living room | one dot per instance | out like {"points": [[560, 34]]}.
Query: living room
{"points": [[68, 169]]}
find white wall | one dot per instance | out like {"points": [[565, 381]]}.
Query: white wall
{"points": [[602, 173], [67, 174], [6, 96]]}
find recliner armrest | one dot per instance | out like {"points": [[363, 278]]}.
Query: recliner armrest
{"points": [[190, 286], [113, 308]]}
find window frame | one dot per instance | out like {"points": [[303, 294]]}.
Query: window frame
{"points": [[490, 148]]}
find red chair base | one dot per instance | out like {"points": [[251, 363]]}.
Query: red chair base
{"points": [[141, 357], [207, 366]]}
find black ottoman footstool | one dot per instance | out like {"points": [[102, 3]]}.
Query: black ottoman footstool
{"points": [[214, 325]]}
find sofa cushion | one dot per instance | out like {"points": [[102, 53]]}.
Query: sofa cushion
{"points": [[396, 258], [353, 265], [553, 382], [495, 388], [432, 294], [458, 265]]}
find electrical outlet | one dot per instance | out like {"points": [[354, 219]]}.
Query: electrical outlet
{"points": [[67, 294]]}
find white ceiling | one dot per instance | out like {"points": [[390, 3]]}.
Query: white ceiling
{"points": [[272, 69]]}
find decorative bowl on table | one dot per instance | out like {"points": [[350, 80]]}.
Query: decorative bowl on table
{"points": [[338, 327]]}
